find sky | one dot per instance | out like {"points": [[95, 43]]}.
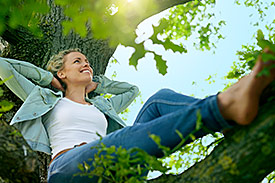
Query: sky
{"points": [[187, 72]]}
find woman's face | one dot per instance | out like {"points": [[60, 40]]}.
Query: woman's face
{"points": [[76, 70]]}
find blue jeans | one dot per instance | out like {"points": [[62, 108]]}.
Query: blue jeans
{"points": [[163, 114]]}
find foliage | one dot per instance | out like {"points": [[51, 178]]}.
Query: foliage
{"points": [[250, 55], [260, 6], [4, 104], [271, 177], [184, 155], [108, 20], [183, 21], [117, 164], [193, 18], [120, 165], [131, 166], [21, 12], [264, 38], [192, 153], [115, 20]]}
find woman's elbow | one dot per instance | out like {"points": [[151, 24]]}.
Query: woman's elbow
{"points": [[135, 90]]}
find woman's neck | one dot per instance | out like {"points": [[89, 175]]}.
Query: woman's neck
{"points": [[76, 94]]}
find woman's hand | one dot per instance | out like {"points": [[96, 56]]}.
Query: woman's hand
{"points": [[91, 87], [56, 84]]}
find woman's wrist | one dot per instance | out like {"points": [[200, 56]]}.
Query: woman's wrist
{"points": [[56, 84], [91, 87]]}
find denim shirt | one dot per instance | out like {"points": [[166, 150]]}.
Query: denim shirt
{"points": [[29, 83]]}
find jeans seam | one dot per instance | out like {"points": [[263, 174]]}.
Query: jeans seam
{"points": [[162, 102]]}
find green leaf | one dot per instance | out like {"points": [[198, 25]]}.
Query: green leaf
{"points": [[160, 28], [81, 167], [264, 43], [267, 57], [167, 44], [139, 53], [86, 166], [1, 92], [155, 138], [199, 120], [266, 71], [61, 2], [179, 134], [170, 45], [161, 64], [67, 27], [193, 137], [111, 150], [5, 106]]}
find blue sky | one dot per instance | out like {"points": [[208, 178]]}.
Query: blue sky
{"points": [[194, 66]]}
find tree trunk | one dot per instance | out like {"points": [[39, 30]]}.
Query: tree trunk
{"points": [[23, 45]]}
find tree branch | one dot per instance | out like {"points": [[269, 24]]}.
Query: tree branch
{"points": [[136, 15]]}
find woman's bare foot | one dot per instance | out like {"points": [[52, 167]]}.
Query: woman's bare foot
{"points": [[240, 102]]}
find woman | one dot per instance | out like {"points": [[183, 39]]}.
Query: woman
{"points": [[67, 125]]}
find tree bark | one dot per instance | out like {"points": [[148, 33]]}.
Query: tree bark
{"points": [[18, 163]]}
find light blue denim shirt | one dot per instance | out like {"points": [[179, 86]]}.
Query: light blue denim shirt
{"points": [[29, 83]]}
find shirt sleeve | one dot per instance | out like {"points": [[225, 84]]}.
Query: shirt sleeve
{"points": [[22, 76], [124, 93]]}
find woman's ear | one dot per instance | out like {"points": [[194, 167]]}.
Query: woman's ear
{"points": [[61, 74]]}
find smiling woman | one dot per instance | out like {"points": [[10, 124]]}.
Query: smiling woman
{"points": [[77, 76], [64, 63]]}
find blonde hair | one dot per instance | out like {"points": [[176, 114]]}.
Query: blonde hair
{"points": [[56, 62]]}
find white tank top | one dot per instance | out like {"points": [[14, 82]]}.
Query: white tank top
{"points": [[70, 123]]}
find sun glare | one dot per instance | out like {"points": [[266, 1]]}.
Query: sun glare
{"points": [[130, 1]]}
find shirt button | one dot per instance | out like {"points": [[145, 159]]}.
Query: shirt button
{"points": [[17, 118], [34, 114]]}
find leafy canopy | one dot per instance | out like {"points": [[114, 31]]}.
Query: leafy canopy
{"points": [[116, 20], [265, 37]]}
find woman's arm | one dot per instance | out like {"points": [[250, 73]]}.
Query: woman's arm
{"points": [[20, 73], [124, 92]]}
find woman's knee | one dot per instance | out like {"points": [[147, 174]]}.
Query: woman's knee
{"points": [[162, 93], [165, 90]]}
